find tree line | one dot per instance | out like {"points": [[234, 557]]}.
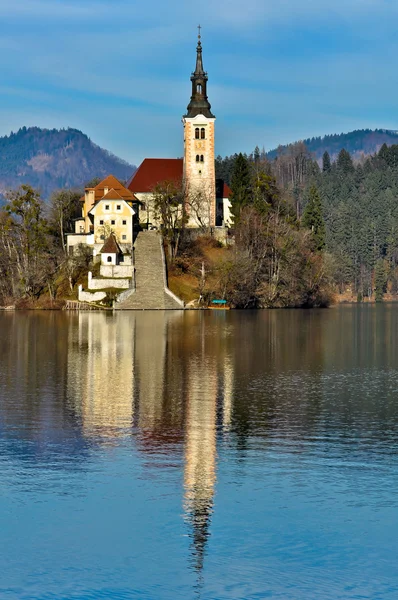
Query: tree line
{"points": [[33, 254], [278, 259], [358, 206]]}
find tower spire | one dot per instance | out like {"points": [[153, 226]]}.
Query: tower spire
{"points": [[199, 104], [199, 61]]}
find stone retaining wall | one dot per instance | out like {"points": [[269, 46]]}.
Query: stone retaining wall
{"points": [[101, 284], [116, 271], [90, 296]]}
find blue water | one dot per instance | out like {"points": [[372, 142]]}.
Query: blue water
{"points": [[207, 455]]}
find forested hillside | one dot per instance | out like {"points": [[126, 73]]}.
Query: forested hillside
{"points": [[53, 159], [357, 143], [360, 144], [358, 208]]}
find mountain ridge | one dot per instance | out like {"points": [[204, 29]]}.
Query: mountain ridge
{"points": [[358, 142], [49, 159]]}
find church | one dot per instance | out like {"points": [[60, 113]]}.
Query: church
{"points": [[196, 171], [117, 209]]}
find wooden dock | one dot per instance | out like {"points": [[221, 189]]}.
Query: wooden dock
{"points": [[76, 305]]}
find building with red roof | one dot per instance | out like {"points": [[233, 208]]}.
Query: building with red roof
{"points": [[207, 200], [108, 208]]}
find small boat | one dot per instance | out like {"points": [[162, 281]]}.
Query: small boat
{"points": [[219, 305]]}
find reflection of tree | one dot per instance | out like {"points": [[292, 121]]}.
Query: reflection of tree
{"points": [[35, 405]]}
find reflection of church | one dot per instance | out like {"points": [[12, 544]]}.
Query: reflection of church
{"points": [[101, 374], [163, 377]]}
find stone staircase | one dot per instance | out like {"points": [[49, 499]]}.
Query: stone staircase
{"points": [[149, 277]]}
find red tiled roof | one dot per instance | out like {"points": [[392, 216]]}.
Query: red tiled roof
{"points": [[112, 195], [111, 246], [226, 193], [153, 171], [111, 182]]}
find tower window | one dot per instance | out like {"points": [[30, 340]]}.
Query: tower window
{"points": [[109, 259], [201, 158], [202, 133], [197, 133], [197, 158], [199, 88]]}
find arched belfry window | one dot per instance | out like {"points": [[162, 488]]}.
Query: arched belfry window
{"points": [[197, 133], [199, 88], [201, 158], [202, 133], [197, 158]]}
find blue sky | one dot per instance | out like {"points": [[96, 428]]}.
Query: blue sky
{"points": [[119, 69]]}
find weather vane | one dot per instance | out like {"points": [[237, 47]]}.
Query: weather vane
{"points": [[199, 28]]}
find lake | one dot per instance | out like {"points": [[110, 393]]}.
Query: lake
{"points": [[213, 455]]}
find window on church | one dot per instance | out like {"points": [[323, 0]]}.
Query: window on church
{"points": [[106, 206], [124, 222], [197, 158], [199, 88], [201, 158], [118, 207], [109, 259], [202, 133], [101, 221], [124, 237], [197, 133], [112, 222]]}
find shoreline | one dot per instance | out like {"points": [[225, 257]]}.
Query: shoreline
{"points": [[13, 308]]}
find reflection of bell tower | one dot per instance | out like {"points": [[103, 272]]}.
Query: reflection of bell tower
{"points": [[200, 460], [199, 169]]}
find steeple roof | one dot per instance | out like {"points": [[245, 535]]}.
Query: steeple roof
{"points": [[111, 246], [199, 103]]}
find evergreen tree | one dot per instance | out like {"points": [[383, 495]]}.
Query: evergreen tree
{"points": [[313, 219], [383, 153], [240, 186], [344, 162], [380, 280], [326, 164], [256, 154]]}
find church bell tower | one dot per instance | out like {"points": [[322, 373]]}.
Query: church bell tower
{"points": [[199, 168]]}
